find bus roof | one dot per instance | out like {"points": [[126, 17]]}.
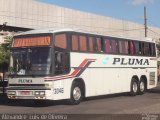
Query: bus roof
{"points": [[57, 30], [41, 31]]}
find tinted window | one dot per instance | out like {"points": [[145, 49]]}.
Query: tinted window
{"points": [[99, 44], [91, 44], [107, 46], [74, 42], [131, 47], [141, 47], [60, 41], [114, 46], [146, 49], [83, 43], [123, 46], [136, 45], [152, 49]]}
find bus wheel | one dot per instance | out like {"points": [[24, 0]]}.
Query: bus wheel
{"points": [[141, 88], [134, 87], [76, 94]]}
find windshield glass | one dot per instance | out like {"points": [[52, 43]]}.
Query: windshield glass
{"points": [[30, 61]]}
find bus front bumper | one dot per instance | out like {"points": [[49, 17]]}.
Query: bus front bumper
{"points": [[27, 94]]}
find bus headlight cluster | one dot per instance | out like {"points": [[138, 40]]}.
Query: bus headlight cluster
{"points": [[41, 93]]}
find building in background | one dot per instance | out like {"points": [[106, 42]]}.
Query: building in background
{"points": [[23, 15]]}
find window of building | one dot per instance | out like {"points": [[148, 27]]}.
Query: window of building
{"points": [[61, 41], [83, 43], [74, 42]]}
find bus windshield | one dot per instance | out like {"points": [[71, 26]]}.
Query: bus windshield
{"points": [[31, 61]]}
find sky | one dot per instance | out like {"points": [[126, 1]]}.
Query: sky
{"points": [[132, 10]]}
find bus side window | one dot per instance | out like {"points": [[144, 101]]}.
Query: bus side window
{"points": [[137, 48], [107, 46], [91, 44], [120, 46], [99, 44], [126, 47], [83, 43], [75, 43], [132, 48], [60, 41], [140, 48], [61, 54], [61, 62], [123, 46], [146, 49], [114, 46], [152, 49]]}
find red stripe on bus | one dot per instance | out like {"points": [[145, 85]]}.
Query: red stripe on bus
{"points": [[74, 73]]}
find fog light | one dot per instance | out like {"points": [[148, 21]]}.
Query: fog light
{"points": [[36, 93], [42, 93], [39, 93]]}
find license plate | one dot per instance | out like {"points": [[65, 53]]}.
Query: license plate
{"points": [[25, 93]]}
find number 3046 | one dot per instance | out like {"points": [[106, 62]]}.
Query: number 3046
{"points": [[58, 90]]}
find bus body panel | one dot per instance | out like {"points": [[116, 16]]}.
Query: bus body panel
{"points": [[107, 78], [102, 73], [54, 90], [99, 74]]}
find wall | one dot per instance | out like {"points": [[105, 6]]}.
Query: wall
{"points": [[34, 14]]}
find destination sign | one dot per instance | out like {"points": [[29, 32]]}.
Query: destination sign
{"points": [[32, 41]]}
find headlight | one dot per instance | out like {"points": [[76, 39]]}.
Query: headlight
{"points": [[40, 93], [37, 93]]}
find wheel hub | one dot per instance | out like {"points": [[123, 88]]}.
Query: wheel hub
{"points": [[76, 93], [135, 87], [142, 86]]}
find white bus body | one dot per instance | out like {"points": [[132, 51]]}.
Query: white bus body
{"points": [[89, 73]]}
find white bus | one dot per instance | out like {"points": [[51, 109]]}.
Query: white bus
{"points": [[68, 64]]}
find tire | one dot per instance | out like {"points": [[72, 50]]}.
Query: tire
{"points": [[134, 87], [141, 87], [76, 94]]}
